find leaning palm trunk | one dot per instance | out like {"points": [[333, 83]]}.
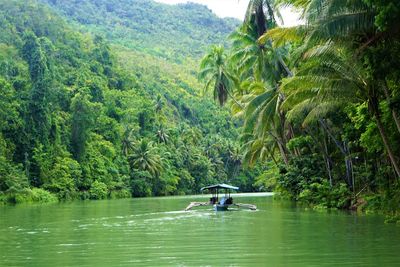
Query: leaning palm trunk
{"points": [[394, 113], [289, 73], [374, 109], [386, 144], [281, 146], [282, 150]]}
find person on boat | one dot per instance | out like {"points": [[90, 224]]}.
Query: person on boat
{"points": [[213, 200]]}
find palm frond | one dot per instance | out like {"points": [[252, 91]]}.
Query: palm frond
{"points": [[339, 19], [299, 111], [322, 110], [281, 36]]}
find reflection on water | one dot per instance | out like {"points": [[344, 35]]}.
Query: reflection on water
{"points": [[155, 231]]}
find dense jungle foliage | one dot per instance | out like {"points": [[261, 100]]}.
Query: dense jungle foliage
{"points": [[320, 101], [83, 117]]}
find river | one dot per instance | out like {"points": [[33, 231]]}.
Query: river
{"points": [[156, 232]]}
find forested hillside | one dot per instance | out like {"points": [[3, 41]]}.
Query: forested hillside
{"points": [[175, 32], [81, 118]]}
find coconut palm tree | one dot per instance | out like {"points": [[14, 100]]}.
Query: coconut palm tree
{"points": [[128, 140], [191, 136], [254, 61], [162, 135], [262, 14], [263, 117], [214, 70], [261, 69], [144, 157], [159, 104]]}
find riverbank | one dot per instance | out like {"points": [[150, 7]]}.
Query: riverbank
{"points": [[364, 204], [26, 196], [37, 196]]}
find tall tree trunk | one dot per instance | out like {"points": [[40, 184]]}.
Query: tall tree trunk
{"points": [[297, 152], [349, 164], [394, 112], [234, 100], [273, 158], [260, 19], [387, 145], [328, 162], [283, 153], [281, 147], [373, 104], [289, 73], [283, 136], [342, 148]]}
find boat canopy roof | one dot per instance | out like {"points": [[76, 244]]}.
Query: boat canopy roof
{"points": [[218, 186]]}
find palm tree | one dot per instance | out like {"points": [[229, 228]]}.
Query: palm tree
{"points": [[331, 77], [261, 14], [213, 69], [159, 104], [260, 68], [162, 135], [144, 157], [263, 117], [251, 59], [128, 140], [235, 159], [191, 136], [261, 17]]}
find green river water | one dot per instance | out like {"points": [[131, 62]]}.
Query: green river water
{"points": [[156, 232]]}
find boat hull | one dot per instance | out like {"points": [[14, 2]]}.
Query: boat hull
{"points": [[218, 207]]}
